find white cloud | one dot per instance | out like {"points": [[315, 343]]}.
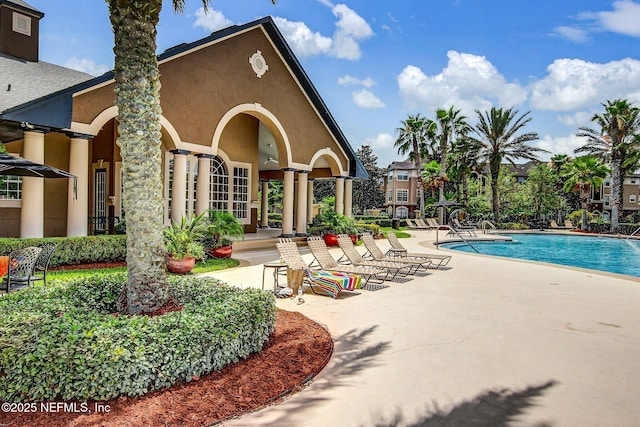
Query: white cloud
{"points": [[558, 145], [623, 19], [302, 40], [365, 99], [574, 34], [350, 29], [468, 82], [577, 119], [87, 66], [350, 80], [212, 20], [381, 141], [575, 84]]}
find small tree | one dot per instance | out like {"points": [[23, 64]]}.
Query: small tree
{"points": [[582, 174]]}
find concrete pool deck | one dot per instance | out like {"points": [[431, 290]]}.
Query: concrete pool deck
{"points": [[485, 342]]}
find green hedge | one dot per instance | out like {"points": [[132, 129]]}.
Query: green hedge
{"points": [[63, 342], [74, 250]]}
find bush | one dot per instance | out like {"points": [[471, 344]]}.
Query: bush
{"points": [[64, 342], [75, 250], [368, 228]]}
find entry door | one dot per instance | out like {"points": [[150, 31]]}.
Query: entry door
{"points": [[100, 197]]}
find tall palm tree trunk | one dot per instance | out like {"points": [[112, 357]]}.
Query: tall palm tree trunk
{"points": [[138, 101], [617, 180], [494, 167]]}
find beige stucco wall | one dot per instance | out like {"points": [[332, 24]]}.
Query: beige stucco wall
{"points": [[199, 88]]}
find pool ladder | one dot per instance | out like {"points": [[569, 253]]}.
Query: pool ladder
{"points": [[632, 234], [457, 233]]}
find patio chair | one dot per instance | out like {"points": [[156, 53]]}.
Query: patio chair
{"points": [[423, 225], [411, 225], [437, 260], [20, 271], [324, 260], [42, 263], [354, 257], [331, 283], [433, 223], [376, 254]]}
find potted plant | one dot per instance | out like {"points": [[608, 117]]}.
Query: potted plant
{"points": [[331, 223], [221, 227], [182, 241]]}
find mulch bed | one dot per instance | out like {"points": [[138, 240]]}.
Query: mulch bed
{"points": [[297, 350]]}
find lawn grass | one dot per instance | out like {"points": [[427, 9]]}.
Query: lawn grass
{"points": [[400, 232], [201, 267]]}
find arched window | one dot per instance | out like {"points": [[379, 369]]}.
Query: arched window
{"points": [[219, 188]]}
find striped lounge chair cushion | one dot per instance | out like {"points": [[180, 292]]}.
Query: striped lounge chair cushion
{"points": [[333, 282]]}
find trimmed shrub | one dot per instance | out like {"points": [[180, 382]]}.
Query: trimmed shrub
{"points": [[65, 342], [368, 228], [75, 250]]}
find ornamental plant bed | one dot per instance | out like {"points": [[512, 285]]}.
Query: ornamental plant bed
{"points": [[296, 351]]}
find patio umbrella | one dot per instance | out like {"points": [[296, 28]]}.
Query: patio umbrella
{"points": [[17, 166]]}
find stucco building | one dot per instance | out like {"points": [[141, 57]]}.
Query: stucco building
{"points": [[238, 110]]}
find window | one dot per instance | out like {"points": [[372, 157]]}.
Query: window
{"points": [[390, 176], [403, 176], [607, 201], [632, 198], [21, 24], [219, 185], [607, 182], [390, 196], [11, 187], [402, 212], [241, 192], [402, 195]]}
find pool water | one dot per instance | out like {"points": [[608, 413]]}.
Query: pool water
{"points": [[597, 253]]}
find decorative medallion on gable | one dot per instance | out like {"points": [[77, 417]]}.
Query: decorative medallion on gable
{"points": [[258, 63]]}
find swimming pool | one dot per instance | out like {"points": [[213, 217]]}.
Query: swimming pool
{"points": [[597, 253]]}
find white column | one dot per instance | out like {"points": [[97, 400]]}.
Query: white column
{"points": [[78, 200], [348, 197], [309, 200], [340, 194], [202, 186], [264, 210], [179, 185], [32, 212], [287, 202], [301, 223]]}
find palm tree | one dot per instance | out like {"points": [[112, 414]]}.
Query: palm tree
{"points": [[462, 161], [581, 175], [412, 139], [137, 91], [617, 143], [450, 125], [431, 176], [497, 132]]}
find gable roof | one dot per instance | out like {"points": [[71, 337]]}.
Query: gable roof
{"points": [[54, 110], [23, 6], [22, 81]]}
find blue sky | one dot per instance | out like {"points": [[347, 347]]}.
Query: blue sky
{"points": [[376, 62]]}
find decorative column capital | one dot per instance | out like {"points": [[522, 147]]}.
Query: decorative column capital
{"points": [[183, 152]]}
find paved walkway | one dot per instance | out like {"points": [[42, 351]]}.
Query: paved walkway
{"points": [[487, 342]]}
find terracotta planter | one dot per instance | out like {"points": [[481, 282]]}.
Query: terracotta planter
{"points": [[332, 239], [221, 252], [181, 266]]}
